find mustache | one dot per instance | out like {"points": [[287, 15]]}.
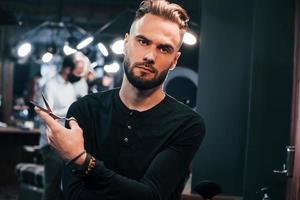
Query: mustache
{"points": [[148, 65]]}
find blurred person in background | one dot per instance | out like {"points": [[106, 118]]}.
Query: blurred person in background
{"points": [[61, 91], [81, 71]]}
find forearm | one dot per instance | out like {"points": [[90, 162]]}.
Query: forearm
{"points": [[158, 182], [103, 183]]}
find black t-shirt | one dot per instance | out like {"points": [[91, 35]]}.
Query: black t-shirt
{"points": [[140, 155]]}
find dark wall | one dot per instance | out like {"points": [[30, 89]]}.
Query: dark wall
{"points": [[244, 93], [271, 92], [224, 74]]}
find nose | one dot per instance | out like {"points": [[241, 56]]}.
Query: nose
{"points": [[150, 56]]}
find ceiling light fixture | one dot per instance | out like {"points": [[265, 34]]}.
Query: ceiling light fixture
{"points": [[118, 46], [47, 57], [102, 49], [85, 42], [24, 49], [112, 68], [189, 38], [68, 50]]}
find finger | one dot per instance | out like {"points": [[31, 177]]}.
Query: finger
{"points": [[48, 131], [52, 143], [52, 123], [73, 124], [49, 135], [48, 140]]}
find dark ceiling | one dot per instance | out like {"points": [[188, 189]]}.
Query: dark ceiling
{"points": [[90, 14]]}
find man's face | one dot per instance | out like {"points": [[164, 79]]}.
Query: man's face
{"points": [[78, 72], [80, 67], [151, 50]]}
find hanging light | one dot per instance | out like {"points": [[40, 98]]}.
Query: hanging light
{"points": [[47, 57], [65, 36], [102, 49], [50, 52], [189, 38], [85, 42], [118, 47], [24, 49], [112, 68], [68, 50]]}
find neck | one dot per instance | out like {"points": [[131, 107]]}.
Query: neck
{"points": [[140, 100], [64, 75]]}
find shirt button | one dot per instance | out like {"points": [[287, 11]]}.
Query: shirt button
{"points": [[131, 113], [126, 140], [129, 127]]}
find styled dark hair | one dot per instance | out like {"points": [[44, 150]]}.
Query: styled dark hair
{"points": [[165, 9], [69, 61]]}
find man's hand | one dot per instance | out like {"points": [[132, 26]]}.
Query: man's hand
{"points": [[67, 142]]}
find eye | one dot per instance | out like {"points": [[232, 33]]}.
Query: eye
{"points": [[164, 50], [143, 42]]}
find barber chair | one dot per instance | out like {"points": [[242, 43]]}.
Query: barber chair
{"points": [[208, 189], [31, 175]]}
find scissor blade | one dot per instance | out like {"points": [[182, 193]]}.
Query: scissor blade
{"points": [[40, 107], [45, 110], [46, 103]]}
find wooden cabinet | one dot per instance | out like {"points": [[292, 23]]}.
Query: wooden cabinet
{"points": [[12, 141]]}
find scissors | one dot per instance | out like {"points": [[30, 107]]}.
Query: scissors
{"points": [[49, 110]]}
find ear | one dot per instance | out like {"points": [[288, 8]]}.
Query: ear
{"points": [[174, 63], [125, 42], [67, 70], [126, 38]]}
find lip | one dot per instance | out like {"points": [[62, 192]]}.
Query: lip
{"points": [[146, 69]]}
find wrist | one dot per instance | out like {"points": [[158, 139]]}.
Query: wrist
{"points": [[81, 159], [84, 169], [76, 158]]}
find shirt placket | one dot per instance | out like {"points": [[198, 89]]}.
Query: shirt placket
{"points": [[127, 138]]}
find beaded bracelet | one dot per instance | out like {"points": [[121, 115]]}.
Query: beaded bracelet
{"points": [[91, 164], [75, 158]]}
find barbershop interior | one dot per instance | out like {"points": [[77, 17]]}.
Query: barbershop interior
{"points": [[239, 69]]}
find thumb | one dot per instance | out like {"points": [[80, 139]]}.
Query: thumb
{"points": [[47, 118], [73, 124]]}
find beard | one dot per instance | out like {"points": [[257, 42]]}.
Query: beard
{"points": [[138, 81]]}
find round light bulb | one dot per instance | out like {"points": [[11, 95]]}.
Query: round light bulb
{"points": [[189, 38], [118, 47], [47, 57], [24, 49]]}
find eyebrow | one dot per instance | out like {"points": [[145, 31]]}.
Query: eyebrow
{"points": [[170, 47], [143, 37]]}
